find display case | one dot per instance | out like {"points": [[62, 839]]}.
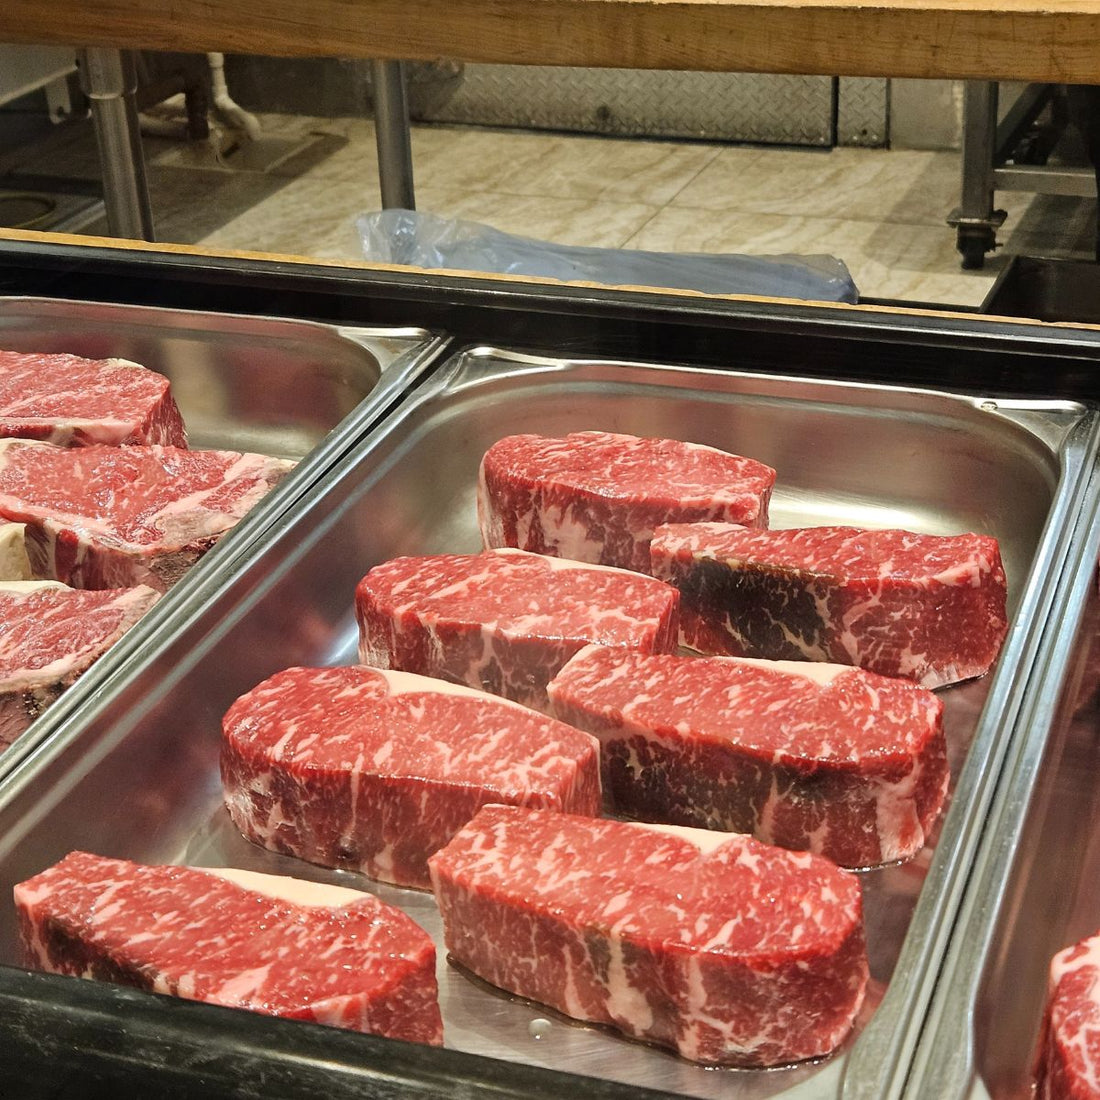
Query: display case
{"points": [[874, 417]]}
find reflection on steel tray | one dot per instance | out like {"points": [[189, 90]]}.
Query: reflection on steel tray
{"points": [[845, 453]]}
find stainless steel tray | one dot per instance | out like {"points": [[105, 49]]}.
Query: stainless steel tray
{"points": [[1036, 885], [134, 771], [290, 389]]}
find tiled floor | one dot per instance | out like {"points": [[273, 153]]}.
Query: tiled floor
{"points": [[881, 212]]}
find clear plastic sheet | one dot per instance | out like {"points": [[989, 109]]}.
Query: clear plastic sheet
{"points": [[427, 241]]}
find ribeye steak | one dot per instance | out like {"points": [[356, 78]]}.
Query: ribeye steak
{"points": [[75, 402], [49, 635], [115, 517]]}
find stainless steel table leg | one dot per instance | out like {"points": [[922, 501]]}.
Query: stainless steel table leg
{"points": [[975, 219], [391, 124], [109, 80]]}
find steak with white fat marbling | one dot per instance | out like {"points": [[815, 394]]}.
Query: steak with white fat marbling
{"points": [[727, 950], [930, 608], [77, 402], [116, 517], [266, 943], [1068, 1066], [827, 758], [375, 770], [49, 635], [505, 621], [597, 496]]}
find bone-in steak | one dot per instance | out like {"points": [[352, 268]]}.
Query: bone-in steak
{"points": [[827, 758], [597, 496], [261, 942], [76, 402], [116, 517], [374, 770], [723, 948], [930, 608], [49, 634], [505, 621]]}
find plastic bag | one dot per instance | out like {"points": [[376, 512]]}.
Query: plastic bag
{"points": [[425, 240]]}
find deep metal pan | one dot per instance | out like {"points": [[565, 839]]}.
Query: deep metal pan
{"points": [[133, 773], [290, 389], [1036, 883]]}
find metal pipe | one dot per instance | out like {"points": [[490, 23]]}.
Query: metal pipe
{"points": [[233, 113], [109, 80], [391, 125], [979, 139]]}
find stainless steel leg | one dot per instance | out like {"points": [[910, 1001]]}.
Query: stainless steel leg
{"points": [[110, 83], [975, 219], [391, 124]]}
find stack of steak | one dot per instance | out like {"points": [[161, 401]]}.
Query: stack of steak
{"points": [[98, 491]]}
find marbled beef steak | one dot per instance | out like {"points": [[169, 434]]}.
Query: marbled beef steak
{"points": [[375, 770], [76, 402], [1069, 1050], [597, 496], [116, 517], [505, 621], [49, 635], [725, 949], [827, 758], [237, 938], [930, 608]]}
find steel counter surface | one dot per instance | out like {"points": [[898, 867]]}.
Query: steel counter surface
{"points": [[134, 774]]}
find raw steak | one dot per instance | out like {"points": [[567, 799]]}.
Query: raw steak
{"points": [[505, 621], [374, 771], [827, 758], [597, 496], [1069, 1047], [723, 948], [49, 635], [75, 402], [930, 608], [115, 517], [262, 942], [14, 564]]}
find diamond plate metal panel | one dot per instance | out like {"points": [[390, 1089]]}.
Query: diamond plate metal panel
{"points": [[863, 111], [788, 110]]}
